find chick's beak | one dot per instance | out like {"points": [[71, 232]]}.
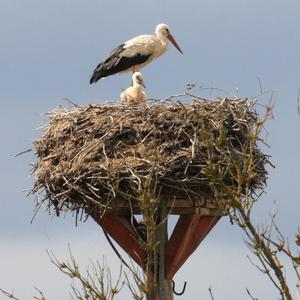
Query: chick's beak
{"points": [[142, 84], [173, 41]]}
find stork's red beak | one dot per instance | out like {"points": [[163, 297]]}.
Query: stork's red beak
{"points": [[173, 41]]}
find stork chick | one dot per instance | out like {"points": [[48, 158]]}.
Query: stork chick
{"points": [[134, 95]]}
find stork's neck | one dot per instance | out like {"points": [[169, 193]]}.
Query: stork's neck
{"points": [[164, 40], [137, 85]]}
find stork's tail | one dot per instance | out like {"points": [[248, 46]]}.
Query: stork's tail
{"points": [[92, 80], [95, 77]]}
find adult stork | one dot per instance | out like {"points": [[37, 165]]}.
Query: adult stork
{"points": [[135, 53], [134, 95]]}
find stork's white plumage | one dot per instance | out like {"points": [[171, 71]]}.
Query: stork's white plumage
{"points": [[134, 95], [135, 53]]}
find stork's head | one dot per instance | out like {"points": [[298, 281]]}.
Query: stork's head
{"points": [[137, 79], [162, 31]]}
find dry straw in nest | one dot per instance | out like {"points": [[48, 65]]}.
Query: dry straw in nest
{"points": [[94, 156]]}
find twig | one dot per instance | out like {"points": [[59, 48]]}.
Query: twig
{"points": [[211, 293], [260, 85], [67, 100], [23, 152], [120, 257], [9, 295], [250, 295]]}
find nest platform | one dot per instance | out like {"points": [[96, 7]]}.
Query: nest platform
{"points": [[110, 157]]}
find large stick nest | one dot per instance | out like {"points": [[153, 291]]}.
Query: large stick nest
{"points": [[91, 155]]}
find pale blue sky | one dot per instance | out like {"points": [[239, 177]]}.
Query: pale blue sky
{"points": [[48, 50]]}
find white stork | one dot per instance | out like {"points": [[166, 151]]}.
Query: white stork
{"points": [[135, 53], [134, 95]]}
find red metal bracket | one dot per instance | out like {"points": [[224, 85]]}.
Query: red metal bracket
{"points": [[188, 233], [121, 230]]}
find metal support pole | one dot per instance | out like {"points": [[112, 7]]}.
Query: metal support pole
{"points": [[164, 286], [163, 290]]}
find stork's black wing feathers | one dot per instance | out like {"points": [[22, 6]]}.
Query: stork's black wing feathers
{"points": [[114, 63]]}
